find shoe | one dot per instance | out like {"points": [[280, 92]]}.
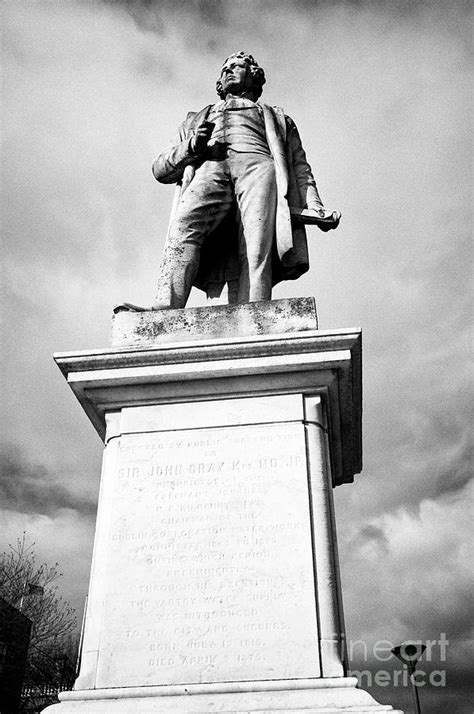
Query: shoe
{"points": [[130, 307]]}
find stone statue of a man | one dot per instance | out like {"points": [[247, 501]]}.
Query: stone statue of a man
{"points": [[245, 191]]}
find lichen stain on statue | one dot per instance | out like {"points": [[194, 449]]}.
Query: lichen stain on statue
{"points": [[245, 192]]}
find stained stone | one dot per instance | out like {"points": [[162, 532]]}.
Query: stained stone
{"points": [[136, 329]]}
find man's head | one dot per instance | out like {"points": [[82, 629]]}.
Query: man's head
{"points": [[240, 73]]}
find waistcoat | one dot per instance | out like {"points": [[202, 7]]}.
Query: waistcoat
{"points": [[239, 126]]}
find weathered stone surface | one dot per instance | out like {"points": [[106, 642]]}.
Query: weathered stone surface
{"points": [[209, 567], [214, 584], [137, 329]]}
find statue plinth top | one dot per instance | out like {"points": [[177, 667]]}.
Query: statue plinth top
{"points": [[149, 328]]}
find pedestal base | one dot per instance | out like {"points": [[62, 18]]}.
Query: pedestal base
{"points": [[215, 582], [331, 696]]}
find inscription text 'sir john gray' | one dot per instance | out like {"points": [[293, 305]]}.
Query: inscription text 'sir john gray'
{"points": [[213, 529]]}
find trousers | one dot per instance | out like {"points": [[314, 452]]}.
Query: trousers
{"points": [[245, 182]]}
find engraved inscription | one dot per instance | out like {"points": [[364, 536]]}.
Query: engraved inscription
{"points": [[210, 565]]}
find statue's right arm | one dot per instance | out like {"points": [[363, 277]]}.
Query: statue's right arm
{"points": [[170, 164]]}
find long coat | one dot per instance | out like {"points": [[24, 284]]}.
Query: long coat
{"points": [[296, 188]]}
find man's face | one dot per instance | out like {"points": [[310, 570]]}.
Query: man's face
{"points": [[236, 76]]}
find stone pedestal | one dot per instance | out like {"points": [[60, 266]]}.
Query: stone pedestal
{"points": [[215, 584]]}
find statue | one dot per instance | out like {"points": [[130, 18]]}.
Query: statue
{"points": [[245, 192]]}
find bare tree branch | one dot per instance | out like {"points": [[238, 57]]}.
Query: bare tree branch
{"points": [[32, 588]]}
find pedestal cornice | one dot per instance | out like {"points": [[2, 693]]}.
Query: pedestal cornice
{"points": [[310, 362]]}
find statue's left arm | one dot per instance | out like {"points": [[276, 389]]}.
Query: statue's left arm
{"points": [[309, 194], [311, 208]]}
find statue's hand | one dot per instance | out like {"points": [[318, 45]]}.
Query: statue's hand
{"points": [[201, 138], [325, 220]]}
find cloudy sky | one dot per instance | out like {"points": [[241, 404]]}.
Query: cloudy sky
{"points": [[379, 90]]}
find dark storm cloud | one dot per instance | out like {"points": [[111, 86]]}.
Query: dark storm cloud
{"points": [[372, 533], [28, 489], [427, 451], [457, 476], [153, 15], [413, 574], [454, 617]]}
